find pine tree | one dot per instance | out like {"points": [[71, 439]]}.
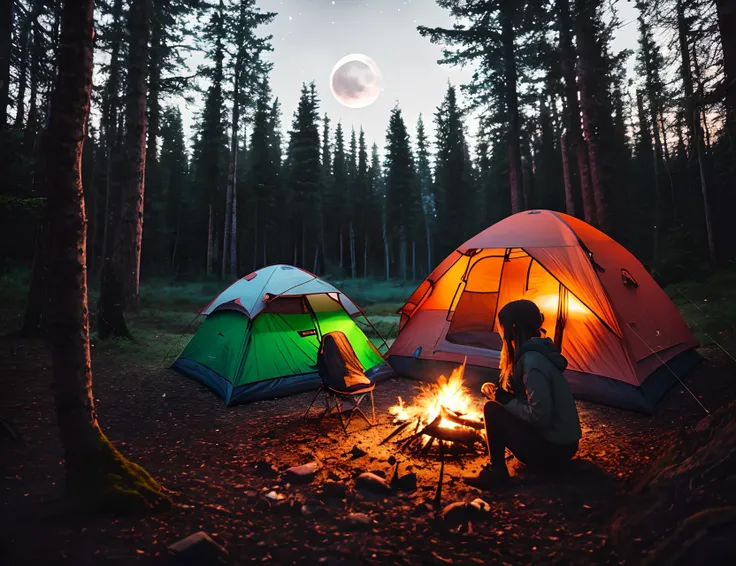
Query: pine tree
{"points": [[490, 36], [426, 187], [339, 193], [402, 189], [305, 174], [249, 72], [351, 209], [179, 207], [263, 181], [377, 184], [363, 201], [97, 475], [119, 290], [453, 181]]}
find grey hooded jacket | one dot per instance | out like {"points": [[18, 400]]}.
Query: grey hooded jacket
{"points": [[542, 395]]}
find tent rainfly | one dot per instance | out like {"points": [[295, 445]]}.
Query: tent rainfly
{"points": [[625, 341], [261, 336]]}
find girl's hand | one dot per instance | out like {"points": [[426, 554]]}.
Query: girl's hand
{"points": [[489, 390]]}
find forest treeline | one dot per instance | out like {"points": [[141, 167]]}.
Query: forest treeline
{"points": [[647, 158]]}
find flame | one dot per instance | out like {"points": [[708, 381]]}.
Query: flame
{"points": [[449, 393]]}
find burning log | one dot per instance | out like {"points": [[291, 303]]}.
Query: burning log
{"points": [[466, 435], [461, 420]]}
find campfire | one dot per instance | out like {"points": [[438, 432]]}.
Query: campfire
{"points": [[443, 413]]}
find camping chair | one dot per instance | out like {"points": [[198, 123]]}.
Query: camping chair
{"points": [[343, 380]]}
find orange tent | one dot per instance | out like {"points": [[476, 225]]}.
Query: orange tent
{"points": [[625, 341]]}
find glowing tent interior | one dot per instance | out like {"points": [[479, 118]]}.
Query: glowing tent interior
{"points": [[261, 336], [625, 340]]}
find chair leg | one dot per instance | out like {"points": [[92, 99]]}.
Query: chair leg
{"points": [[311, 404]]}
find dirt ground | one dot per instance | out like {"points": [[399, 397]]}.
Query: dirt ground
{"points": [[222, 462]]}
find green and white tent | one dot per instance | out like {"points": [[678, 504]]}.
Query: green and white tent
{"points": [[261, 336]]}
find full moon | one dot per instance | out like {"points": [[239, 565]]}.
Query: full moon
{"points": [[356, 81]]}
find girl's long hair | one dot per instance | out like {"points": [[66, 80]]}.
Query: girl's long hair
{"points": [[520, 321]]}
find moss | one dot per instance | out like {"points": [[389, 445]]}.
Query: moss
{"points": [[109, 482]]}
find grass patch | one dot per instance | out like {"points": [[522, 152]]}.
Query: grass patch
{"points": [[709, 307]]}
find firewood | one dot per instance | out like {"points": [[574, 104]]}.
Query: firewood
{"points": [[398, 430], [467, 436], [462, 420]]}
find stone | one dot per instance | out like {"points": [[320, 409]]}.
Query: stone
{"points": [[302, 474], [423, 508], [359, 519], [372, 483], [198, 548]]}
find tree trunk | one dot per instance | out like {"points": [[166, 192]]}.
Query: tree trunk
{"points": [[36, 54], [413, 259], [569, 195], [211, 240], [6, 49], [693, 120], [341, 250], [428, 235], [402, 252], [353, 259], [110, 117], [578, 146], [234, 233], [127, 249], [97, 475], [591, 93], [507, 11], [20, 97], [316, 258], [365, 257], [386, 251], [710, 232], [229, 235]]}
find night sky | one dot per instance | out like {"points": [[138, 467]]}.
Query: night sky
{"points": [[310, 36]]}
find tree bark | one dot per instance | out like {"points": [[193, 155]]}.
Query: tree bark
{"points": [[229, 234], [6, 49], [592, 96], [507, 10], [97, 475], [692, 114], [127, 248], [569, 195], [20, 97], [110, 117], [353, 259]]}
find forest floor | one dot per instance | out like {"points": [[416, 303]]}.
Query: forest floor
{"points": [[222, 463]]}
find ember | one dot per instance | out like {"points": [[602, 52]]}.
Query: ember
{"points": [[444, 411]]}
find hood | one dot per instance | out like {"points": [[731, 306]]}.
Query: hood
{"points": [[546, 347]]}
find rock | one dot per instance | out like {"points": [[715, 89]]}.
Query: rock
{"points": [[359, 520], [379, 473], [198, 548], [263, 504], [274, 496], [356, 453], [302, 474], [334, 489], [372, 483]]}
